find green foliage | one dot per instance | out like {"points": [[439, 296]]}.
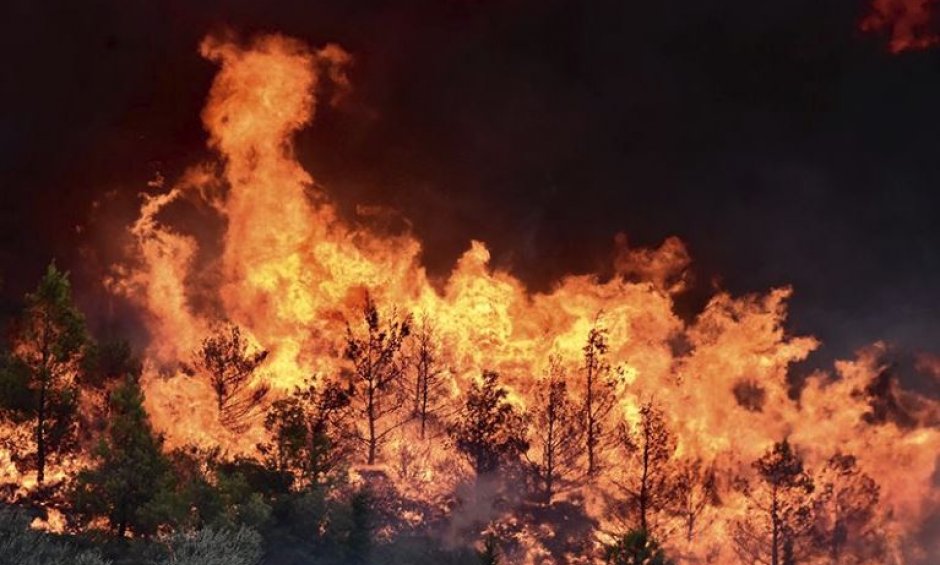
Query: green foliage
{"points": [[211, 546], [635, 548], [254, 475], [131, 484], [359, 540], [306, 430], [489, 431], [204, 492], [17, 399], [190, 468], [21, 545], [52, 333], [241, 505], [307, 514], [489, 555], [107, 362]]}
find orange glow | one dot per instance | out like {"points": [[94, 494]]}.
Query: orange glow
{"points": [[909, 23], [290, 272]]}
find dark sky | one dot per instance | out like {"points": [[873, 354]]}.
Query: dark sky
{"points": [[781, 144]]}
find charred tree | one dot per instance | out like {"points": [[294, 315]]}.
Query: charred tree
{"points": [[647, 483], [48, 348], [376, 379], [429, 376], [555, 431], [847, 525], [489, 432], [695, 489], [599, 397], [778, 526], [230, 364]]}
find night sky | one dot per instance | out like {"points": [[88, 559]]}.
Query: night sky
{"points": [[781, 144]]}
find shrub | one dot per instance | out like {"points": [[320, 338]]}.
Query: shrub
{"points": [[24, 546], [216, 547]]}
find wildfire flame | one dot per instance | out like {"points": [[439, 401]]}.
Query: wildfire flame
{"points": [[289, 271]]}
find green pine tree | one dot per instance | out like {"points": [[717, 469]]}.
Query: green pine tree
{"points": [[489, 431], [636, 548], [48, 346], [306, 432], [131, 483]]}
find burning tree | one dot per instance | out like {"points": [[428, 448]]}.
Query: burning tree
{"points": [[599, 396], [429, 373], [648, 448], [695, 489], [48, 347], [285, 254], [555, 432], [378, 368], [230, 365], [489, 431], [779, 510], [847, 525], [306, 434]]}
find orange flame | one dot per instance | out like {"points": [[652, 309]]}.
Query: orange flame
{"points": [[290, 272]]}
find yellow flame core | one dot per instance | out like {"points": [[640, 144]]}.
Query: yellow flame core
{"points": [[290, 272]]}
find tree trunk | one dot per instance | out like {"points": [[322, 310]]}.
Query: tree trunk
{"points": [[40, 433], [424, 408], [371, 417], [417, 410], [589, 410], [644, 482], [775, 530]]}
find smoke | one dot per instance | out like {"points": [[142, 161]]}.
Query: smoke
{"points": [[910, 24]]}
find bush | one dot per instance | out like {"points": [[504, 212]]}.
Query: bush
{"points": [[24, 546], [216, 547]]}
